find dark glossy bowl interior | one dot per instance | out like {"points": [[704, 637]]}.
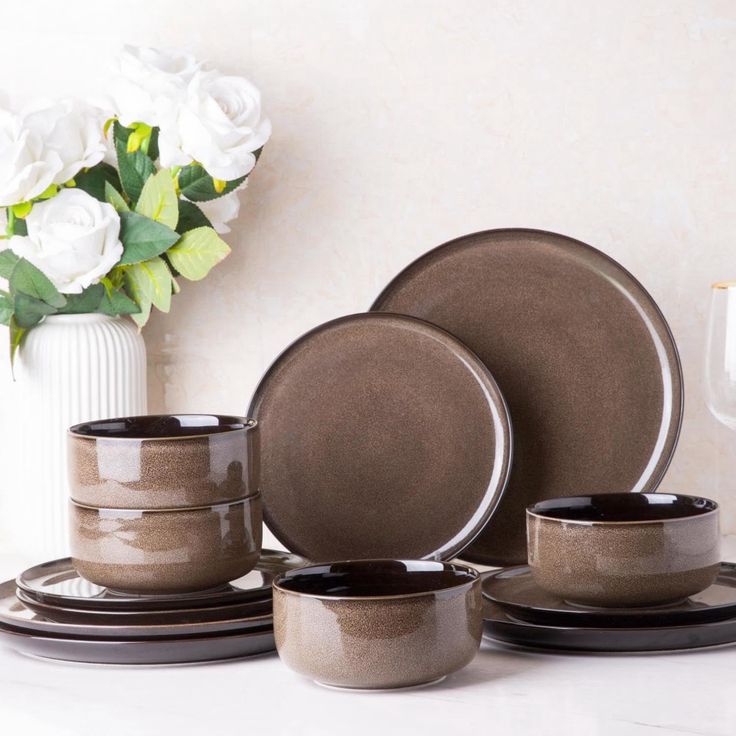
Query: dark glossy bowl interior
{"points": [[624, 507], [156, 426], [375, 578]]}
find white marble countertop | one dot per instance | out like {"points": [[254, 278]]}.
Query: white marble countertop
{"points": [[503, 692]]}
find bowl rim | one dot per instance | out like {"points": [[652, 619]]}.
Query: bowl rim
{"points": [[247, 423], [473, 574], [710, 507], [206, 507]]}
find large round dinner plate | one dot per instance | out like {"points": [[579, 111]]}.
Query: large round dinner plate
{"points": [[183, 650], [381, 436], [581, 353]]}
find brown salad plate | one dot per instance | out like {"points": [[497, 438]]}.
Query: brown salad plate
{"points": [[57, 583], [514, 589], [381, 436], [580, 351]]}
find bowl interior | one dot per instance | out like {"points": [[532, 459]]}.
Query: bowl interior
{"points": [[624, 507], [159, 426], [376, 578]]}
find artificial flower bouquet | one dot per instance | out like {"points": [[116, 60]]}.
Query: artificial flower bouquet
{"points": [[107, 205]]}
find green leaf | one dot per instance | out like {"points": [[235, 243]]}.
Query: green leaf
{"points": [[196, 184], [117, 303], [143, 238], [196, 252], [29, 311], [143, 314], [151, 146], [8, 259], [20, 227], [94, 180], [17, 335], [86, 302], [6, 308], [150, 281], [158, 199], [113, 197], [190, 216], [22, 210], [135, 168], [27, 279]]}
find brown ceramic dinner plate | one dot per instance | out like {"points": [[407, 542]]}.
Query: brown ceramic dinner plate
{"points": [[184, 650], [57, 583], [16, 614], [582, 355], [514, 589], [381, 436], [499, 624]]}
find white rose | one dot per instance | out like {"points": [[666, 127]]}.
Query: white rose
{"points": [[74, 130], [219, 124], [73, 238], [27, 166], [221, 210], [150, 83]]}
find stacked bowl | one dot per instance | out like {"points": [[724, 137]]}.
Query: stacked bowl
{"points": [[165, 535], [164, 504]]}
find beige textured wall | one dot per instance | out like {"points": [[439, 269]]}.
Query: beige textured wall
{"points": [[399, 125]]}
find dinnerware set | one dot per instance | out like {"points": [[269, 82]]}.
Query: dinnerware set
{"points": [[506, 378]]}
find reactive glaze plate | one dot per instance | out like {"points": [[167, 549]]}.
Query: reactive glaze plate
{"points": [[132, 623], [57, 583], [501, 625], [515, 590], [381, 436], [151, 651], [582, 355], [15, 614]]}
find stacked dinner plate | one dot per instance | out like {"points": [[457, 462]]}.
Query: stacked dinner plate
{"points": [[518, 612], [50, 611]]}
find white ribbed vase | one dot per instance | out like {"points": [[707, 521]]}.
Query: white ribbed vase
{"points": [[71, 368]]}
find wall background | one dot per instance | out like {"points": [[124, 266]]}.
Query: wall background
{"points": [[398, 126]]}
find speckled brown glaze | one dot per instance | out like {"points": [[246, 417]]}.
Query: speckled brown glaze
{"points": [[624, 550], [168, 461], [582, 355], [381, 435], [166, 551], [378, 624]]}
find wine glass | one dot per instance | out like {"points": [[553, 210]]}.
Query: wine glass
{"points": [[720, 355]]}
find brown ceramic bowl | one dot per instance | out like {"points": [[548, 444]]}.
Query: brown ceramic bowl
{"points": [[624, 549], [378, 624], [162, 461], [166, 551]]}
